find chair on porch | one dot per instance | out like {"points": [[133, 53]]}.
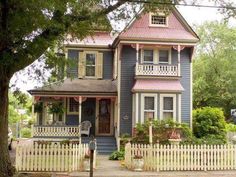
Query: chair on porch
{"points": [[85, 128]]}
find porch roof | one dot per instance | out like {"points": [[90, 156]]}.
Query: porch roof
{"points": [[157, 85], [78, 87]]}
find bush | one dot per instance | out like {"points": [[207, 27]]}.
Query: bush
{"points": [[209, 124], [230, 127], [161, 131], [25, 132], [117, 155]]}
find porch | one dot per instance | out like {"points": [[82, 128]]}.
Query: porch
{"points": [[61, 117], [60, 108]]}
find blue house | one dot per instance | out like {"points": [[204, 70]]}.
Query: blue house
{"points": [[143, 73]]}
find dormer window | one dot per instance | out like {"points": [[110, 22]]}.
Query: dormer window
{"points": [[159, 20]]}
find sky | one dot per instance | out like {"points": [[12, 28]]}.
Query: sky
{"points": [[193, 15]]}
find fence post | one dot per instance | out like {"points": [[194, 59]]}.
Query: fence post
{"points": [[128, 155]]}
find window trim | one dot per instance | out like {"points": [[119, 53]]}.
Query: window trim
{"points": [[68, 107], [143, 95], [95, 66], [162, 104], [158, 14]]}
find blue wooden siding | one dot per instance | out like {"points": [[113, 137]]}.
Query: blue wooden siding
{"points": [[72, 70], [185, 81], [72, 119], [73, 55], [89, 113], [107, 65], [128, 60]]}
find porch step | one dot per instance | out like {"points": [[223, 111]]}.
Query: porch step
{"points": [[105, 145]]}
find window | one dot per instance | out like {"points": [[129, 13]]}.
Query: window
{"points": [[156, 56], [163, 56], [90, 64], [73, 106], [168, 106], [159, 20], [149, 107], [147, 56]]}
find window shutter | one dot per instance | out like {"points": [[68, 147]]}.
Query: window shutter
{"points": [[99, 66], [81, 67]]}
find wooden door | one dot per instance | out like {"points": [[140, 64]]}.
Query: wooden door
{"points": [[104, 117]]}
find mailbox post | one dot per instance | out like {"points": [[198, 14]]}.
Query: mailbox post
{"points": [[92, 147]]}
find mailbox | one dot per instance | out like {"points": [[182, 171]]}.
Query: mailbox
{"points": [[92, 145]]}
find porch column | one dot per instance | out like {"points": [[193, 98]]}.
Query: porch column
{"points": [[33, 117], [80, 109], [32, 114], [179, 49], [137, 53]]}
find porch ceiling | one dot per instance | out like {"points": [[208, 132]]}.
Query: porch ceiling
{"points": [[78, 86]]}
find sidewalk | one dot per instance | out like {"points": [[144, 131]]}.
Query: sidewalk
{"points": [[107, 168]]}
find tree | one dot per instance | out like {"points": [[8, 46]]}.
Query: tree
{"points": [[29, 28], [214, 69]]}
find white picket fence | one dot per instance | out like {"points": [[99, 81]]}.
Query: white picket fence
{"points": [[182, 157], [51, 158]]}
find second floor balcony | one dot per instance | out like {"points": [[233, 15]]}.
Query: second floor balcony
{"points": [[156, 70]]}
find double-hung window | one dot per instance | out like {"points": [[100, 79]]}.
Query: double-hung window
{"points": [[90, 65], [148, 56], [168, 106], [163, 56], [149, 106]]}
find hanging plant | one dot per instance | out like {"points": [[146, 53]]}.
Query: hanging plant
{"points": [[56, 108], [38, 107]]}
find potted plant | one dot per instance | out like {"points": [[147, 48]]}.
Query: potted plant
{"points": [[38, 107], [138, 162], [86, 162], [174, 138]]}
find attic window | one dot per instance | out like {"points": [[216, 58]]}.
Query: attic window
{"points": [[158, 20]]}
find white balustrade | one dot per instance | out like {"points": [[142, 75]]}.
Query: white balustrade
{"points": [[156, 70], [54, 131]]}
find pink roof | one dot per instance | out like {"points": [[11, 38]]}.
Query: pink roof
{"points": [[98, 39], [157, 85], [140, 29]]}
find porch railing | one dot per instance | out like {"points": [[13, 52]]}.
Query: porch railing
{"points": [[56, 131], [156, 70]]}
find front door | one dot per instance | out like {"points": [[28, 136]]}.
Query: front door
{"points": [[104, 117]]}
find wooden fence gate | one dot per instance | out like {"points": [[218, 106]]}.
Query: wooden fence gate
{"points": [[53, 157], [182, 157]]}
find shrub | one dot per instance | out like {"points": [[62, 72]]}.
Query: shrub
{"points": [[230, 127], [117, 155], [209, 124], [25, 132], [161, 131]]}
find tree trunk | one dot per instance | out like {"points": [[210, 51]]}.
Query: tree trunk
{"points": [[6, 169]]}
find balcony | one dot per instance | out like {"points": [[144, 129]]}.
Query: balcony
{"points": [[156, 70]]}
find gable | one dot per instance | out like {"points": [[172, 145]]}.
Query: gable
{"points": [[176, 30]]}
